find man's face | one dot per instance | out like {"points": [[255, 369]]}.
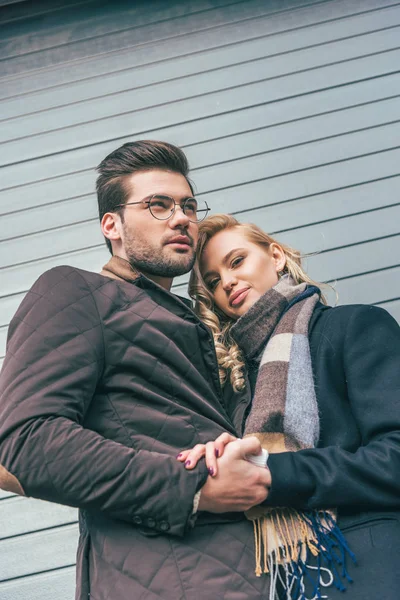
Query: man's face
{"points": [[159, 249]]}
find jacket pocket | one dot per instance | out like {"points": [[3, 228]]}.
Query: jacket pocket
{"points": [[355, 523], [385, 535]]}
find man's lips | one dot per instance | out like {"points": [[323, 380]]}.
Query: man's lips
{"points": [[182, 240], [238, 297]]}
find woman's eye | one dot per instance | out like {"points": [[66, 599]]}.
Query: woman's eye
{"points": [[212, 284], [236, 261]]}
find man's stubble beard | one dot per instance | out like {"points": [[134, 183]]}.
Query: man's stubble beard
{"points": [[152, 260]]}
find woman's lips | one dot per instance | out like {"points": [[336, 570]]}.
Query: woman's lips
{"points": [[238, 298]]}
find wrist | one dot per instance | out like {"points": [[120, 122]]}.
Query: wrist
{"points": [[196, 502]]}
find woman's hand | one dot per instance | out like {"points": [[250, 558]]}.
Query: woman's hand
{"points": [[211, 451]]}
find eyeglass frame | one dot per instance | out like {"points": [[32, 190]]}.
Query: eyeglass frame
{"points": [[148, 199]]}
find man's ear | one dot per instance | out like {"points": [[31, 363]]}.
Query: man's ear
{"points": [[111, 226]]}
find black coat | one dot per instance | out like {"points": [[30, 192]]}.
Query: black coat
{"points": [[355, 352]]}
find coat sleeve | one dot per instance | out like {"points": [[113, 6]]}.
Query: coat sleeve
{"points": [[53, 365], [369, 477]]}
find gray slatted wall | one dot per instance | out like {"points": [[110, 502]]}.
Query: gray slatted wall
{"points": [[288, 110]]}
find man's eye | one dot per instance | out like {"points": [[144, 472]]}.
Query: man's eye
{"points": [[160, 203], [190, 207]]}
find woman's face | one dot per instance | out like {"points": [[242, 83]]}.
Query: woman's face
{"points": [[237, 272]]}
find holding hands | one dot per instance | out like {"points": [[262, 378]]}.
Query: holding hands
{"points": [[234, 484], [210, 451]]}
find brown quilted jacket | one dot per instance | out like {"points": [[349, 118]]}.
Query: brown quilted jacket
{"points": [[104, 382]]}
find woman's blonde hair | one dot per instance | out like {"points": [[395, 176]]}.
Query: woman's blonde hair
{"points": [[230, 359]]}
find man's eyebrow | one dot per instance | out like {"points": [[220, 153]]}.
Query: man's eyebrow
{"points": [[225, 260], [162, 195]]}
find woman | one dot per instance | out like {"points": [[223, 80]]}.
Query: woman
{"points": [[320, 388]]}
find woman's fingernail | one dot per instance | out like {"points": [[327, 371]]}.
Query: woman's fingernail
{"points": [[211, 471], [187, 463], [179, 455], [216, 452]]}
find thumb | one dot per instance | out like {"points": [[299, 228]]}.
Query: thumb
{"points": [[250, 445]]}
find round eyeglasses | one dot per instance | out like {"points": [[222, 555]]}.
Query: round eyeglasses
{"points": [[163, 207]]}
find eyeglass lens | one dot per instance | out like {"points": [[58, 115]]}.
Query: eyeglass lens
{"points": [[162, 207]]}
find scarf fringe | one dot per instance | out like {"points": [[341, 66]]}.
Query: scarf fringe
{"points": [[285, 539]]}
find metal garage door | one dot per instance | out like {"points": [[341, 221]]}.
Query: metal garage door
{"points": [[288, 110]]}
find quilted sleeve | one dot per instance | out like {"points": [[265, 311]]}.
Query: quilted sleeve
{"points": [[53, 363], [369, 477]]}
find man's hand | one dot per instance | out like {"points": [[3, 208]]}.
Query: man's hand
{"points": [[239, 485]]}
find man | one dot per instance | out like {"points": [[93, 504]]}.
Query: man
{"points": [[107, 377]]}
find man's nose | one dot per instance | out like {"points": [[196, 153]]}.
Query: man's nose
{"points": [[179, 218]]}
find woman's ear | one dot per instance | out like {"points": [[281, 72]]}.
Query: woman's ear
{"points": [[111, 226], [278, 256]]}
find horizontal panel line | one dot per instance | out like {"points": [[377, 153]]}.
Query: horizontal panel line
{"points": [[178, 78], [36, 573], [52, 202], [354, 244], [307, 143], [227, 187], [323, 221], [387, 301], [125, 29], [176, 123], [259, 129], [205, 29], [287, 121], [299, 198], [46, 12], [13, 496], [48, 230], [27, 262], [2, 298], [53, 178], [129, 49], [178, 57], [40, 530], [363, 273], [235, 111]]}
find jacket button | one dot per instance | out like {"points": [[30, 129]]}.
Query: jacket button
{"points": [[150, 523], [137, 520], [163, 526]]}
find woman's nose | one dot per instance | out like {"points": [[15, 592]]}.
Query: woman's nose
{"points": [[228, 282]]}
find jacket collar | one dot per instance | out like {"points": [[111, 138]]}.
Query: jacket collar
{"points": [[121, 269]]}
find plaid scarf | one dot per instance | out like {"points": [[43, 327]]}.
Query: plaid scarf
{"points": [[284, 417]]}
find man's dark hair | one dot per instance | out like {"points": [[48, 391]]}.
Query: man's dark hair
{"points": [[134, 157]]}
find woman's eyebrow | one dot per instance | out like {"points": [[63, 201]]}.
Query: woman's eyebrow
{"points": [[208, 274]]}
